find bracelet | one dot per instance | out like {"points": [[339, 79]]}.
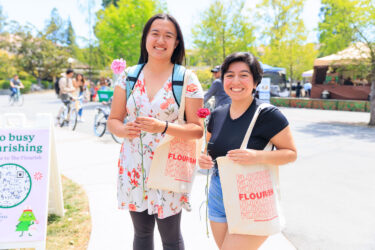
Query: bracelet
{"points": [[166, 127]]}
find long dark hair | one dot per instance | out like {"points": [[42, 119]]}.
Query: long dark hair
{"points": [[178, 53], [82, 82]]}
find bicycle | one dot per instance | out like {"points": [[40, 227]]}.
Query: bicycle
{"points": [[100, 121], [67, 115], [16, 98]]}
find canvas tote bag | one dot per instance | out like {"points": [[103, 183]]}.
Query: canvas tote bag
{"points": [[175, 159], [251, 193]]}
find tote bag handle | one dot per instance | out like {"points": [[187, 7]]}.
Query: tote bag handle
{"points": [[252, 124]]}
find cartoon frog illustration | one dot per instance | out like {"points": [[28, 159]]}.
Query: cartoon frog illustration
{"points": [[25, 221]]}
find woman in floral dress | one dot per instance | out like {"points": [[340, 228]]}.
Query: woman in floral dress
{"points": [[151, 110]]}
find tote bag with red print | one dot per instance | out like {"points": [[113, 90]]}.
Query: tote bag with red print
{"points": [[251, 193], [174, 162]]}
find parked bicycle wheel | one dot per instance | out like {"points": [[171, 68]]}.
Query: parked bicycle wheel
{"points": [[100, 123], [73, 119], [117, 139]]}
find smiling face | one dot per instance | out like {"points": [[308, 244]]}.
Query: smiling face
{"points": [[161, 40], [238, 81]]}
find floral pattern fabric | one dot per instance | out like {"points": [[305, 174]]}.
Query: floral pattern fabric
{"points": [[130, 183]]}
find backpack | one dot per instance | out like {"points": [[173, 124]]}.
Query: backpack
{"points": [[178, 75], [57, 86]]}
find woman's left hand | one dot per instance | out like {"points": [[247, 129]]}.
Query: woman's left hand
{"points": [[244, 156], [150, 124]]}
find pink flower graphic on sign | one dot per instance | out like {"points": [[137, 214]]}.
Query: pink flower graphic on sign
{"points": [[38, 176], [118, 65]]}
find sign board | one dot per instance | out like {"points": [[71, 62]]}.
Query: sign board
{"points": [[264, 90], [25, 175]]}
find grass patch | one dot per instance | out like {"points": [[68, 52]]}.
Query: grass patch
{"points": [[73, 230]]}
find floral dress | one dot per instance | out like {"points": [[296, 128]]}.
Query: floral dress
{"points": [[130, 189]]}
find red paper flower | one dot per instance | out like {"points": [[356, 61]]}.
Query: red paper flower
{"points": [[203, 113]]}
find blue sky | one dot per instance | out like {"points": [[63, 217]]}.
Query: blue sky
{"points": [[186, 12]]}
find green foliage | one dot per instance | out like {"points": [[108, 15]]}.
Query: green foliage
{"points": [[47, 84], [38, 56], [97, 58], [119, 29], [223, 30], [286, 36], [336, 30], [54, 30], [205, 77], [4, 84], [27, 85], [7, 65], [105, 3]]}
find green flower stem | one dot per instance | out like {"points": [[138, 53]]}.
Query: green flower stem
{"points": [[140, 138], [143, 170], [207, 174]]}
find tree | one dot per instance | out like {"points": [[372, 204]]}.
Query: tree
{"points": [[361, 25], [2, 19], [54, 30], [119, 29], [335, 32], [70, 39], [105, 3], [38, 56], [285, 36], [223, 30]]}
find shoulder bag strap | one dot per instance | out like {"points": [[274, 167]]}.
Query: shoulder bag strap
{"points": [[252, 123]]}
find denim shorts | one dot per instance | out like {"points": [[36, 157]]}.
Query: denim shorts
{"points": [[216, 211]]}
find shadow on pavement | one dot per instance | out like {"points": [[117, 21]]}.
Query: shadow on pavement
{"points": [[355, 130]]}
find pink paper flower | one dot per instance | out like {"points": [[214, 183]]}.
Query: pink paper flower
{"points": [[118, 65]]}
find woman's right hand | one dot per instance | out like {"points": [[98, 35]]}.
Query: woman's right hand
{"points": [[205, 161], [131, 130]]}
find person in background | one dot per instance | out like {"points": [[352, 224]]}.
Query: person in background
{"points": [[348, 81], [15, 83], [103, 84], [241, 73], [162, 47], [298, 89], [67, 88], [307, 87], [217, 89], [81, 88]]}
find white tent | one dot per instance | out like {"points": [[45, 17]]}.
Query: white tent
{"points": [[355, 52], [308, 73]]}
